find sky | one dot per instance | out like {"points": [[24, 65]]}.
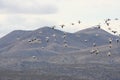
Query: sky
{"points": [[33, 14]]}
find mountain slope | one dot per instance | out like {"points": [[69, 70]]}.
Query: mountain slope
{"points": [[27, 53], [19, 40], [12, 37], [96, 35]]}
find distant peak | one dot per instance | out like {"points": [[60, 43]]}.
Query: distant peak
{"points": [[92, 30], [44, 28], [48, 29]]}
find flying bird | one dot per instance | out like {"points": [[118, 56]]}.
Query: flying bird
{"points": [[34, 57], [29, 41], [65, 41], [116, 19], [92, 51], [114, 32], [53, 27], [110, 40], [117, 40], [97, 52], [54, 35], [99, 26], [109, 54], [47, 39], [65, 45], [72, 23], [107, 21], [86, 40], [64, 36], [110, 46], [43, 47], [62, 26], [79, 22], [109, 28], [94, 44], [107, 24]]}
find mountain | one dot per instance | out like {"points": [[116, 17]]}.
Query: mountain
{"points": [[94, 34], [54, 53], [12, 37], [16, 45]]}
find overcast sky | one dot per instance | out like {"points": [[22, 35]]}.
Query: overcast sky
{"points": [[33, 14]]}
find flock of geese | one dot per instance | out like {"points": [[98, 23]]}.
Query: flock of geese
{"points": [[95, 49], [107, 23]]}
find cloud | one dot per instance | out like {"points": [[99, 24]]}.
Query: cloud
{"points": [[19, 22], [12, 22], [27, 7]]}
